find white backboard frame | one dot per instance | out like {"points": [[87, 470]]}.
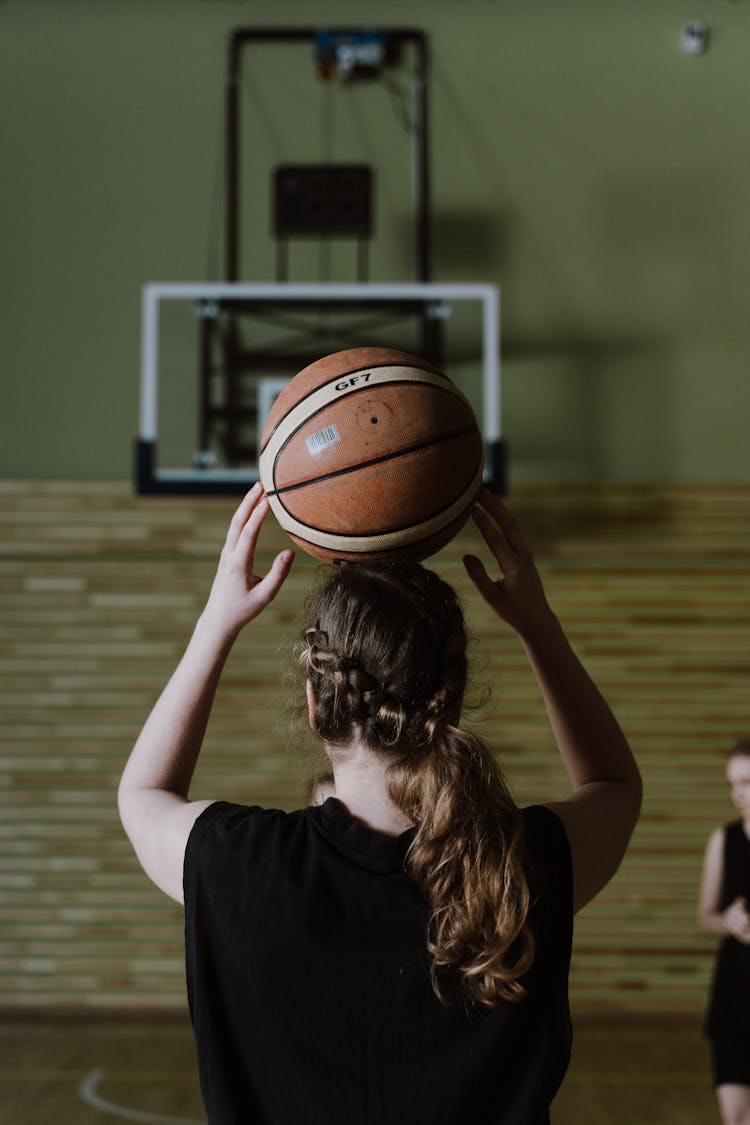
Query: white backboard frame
{"points": [[153, 479]]}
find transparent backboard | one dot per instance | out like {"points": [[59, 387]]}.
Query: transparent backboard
{"points": [[200, 426]]}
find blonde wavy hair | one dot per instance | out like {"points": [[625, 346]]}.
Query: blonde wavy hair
{"points": [[385, 652]]}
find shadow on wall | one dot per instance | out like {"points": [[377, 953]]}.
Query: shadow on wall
{"points": [[669, 239], [588, 411], [579, 411], [472, 244]]}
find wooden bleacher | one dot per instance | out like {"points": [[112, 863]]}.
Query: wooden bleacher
{"points": [[98, 593]]}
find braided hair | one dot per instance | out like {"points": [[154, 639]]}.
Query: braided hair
{"points": [[385, 650]]}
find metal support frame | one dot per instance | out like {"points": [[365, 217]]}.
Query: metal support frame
{"points": [[236, 359], [242, 38]]}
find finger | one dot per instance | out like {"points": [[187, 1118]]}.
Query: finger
{"points": [[249, 534], [505, 521], [240, 517], [494, 505], [481, 579], [495, 540], [268, 587]]}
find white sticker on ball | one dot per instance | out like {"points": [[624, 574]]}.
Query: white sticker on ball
{"points": [[316, 443]]}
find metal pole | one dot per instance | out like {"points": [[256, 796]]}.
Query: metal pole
{"points": [[421, 159], [231, 141], [491, 365], [149, 344]]}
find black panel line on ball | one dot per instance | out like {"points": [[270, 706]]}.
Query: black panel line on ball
{"points": [[372, 461], [450, 389], [388, 530], [355, 371]]}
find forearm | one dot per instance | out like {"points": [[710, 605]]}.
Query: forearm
{"points": [[714, 923], [167, 749], [592, 745]]}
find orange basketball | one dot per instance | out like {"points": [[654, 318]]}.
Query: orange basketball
{"points": [[371, 453]]}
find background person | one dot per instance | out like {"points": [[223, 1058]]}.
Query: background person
{"points": [[723, 911]]}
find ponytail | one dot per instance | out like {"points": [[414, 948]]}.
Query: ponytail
{"points": [[386, 657], [467, 860]]}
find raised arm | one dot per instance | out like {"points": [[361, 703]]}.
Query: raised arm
{"points": [[602, 811], [153, 792]]}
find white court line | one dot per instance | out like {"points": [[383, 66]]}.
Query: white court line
{"points": [[87, 1091]]}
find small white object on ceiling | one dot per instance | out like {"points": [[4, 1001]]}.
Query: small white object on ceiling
{"points": [[694, 38]]}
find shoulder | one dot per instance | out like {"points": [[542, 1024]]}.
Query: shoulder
{"points": [[716, 839], [225, 830], [229, 843], [546, 838], [548, 851], [726, 835], [228, 818], [550, 870], [733, 835]]}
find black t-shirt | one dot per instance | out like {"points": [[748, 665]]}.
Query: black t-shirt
{"points": [[728, 1015], [308, 980]]}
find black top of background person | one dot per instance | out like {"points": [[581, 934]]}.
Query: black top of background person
{"points": [[728, 1015]]}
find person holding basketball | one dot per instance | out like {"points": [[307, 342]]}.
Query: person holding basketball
{"points": [[399, 953], [724, 911]]}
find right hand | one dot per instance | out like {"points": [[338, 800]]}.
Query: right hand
{"points": [[238, 594], [737, 921], [517, 596]]}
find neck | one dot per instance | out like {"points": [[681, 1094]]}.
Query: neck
{"points": [[360, 780]]}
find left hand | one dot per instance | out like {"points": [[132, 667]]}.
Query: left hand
{"points": [[238, 595], [737, 921]]}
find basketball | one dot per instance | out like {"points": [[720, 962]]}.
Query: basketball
{"points": [[371, 453]]}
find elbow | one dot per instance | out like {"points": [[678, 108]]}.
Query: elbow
{"points": [[634, 787], [121, 796], [637, 793], [124, 806], [634, 781], [629, 782], [631, 795]]}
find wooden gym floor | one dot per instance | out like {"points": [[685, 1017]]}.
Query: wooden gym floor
{"points": [[632, 1071]]}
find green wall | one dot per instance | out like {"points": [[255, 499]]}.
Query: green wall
{"points": [[580, 162]]}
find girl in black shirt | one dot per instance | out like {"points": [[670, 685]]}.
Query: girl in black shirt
{"points": [[399, 953]]}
